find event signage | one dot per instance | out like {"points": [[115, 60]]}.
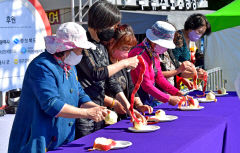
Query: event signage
{"points": [[22, 30], [179, 4], [54, 16], [163, 4]]}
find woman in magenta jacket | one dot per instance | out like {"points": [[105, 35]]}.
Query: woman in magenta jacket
{"points": [[158, 39]]}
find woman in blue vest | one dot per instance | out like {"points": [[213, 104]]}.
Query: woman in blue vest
{"points": [[46, 114]]}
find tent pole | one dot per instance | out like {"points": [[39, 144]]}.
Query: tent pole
{"points": [[72, 11]]}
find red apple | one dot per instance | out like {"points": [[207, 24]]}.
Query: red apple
{"points": [[103, 144]]}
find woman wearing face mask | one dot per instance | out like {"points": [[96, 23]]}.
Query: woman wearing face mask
{"points": [[171, 68], [158, 39], [195, 27], [51, 94], [94, 71], [118, 49]]}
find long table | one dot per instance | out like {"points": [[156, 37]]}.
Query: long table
{"points": [[214, 129]]}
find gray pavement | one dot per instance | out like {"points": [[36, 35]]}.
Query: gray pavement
{"points": [[5, 129]]}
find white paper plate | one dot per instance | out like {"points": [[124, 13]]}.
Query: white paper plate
{"points": [[218, 95], [149, 128], [187, 108], [204, 100], [121, 144], [168, 118]]}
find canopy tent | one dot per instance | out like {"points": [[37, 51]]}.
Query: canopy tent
{"points": [[223, 45], [226, 17]]}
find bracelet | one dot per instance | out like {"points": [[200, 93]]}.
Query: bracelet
{"points": [[113, 103]]}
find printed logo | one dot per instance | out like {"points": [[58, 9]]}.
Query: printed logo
{"points": [[15, 61], [23, 50], [16, 41]]}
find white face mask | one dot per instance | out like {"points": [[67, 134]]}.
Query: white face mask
{"points": [[73, 59]]}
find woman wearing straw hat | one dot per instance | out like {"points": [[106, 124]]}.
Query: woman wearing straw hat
{"points": [[51, 93], [158, 39]]}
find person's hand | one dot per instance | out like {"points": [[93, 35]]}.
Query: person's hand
{"points": [[97, 113], [138, 115], [174, 100], [179, 93], [201, 73], [118, 108], [131, 62], [144, 108], [188, 83], [186, 65]]}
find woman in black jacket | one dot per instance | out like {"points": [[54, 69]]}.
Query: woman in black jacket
{"points": [[94, 70]]}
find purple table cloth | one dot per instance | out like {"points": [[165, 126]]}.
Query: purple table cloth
{"points": [[213, 129]]}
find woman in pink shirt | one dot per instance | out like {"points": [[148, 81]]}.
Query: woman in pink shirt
{"points": [[158, 39]]}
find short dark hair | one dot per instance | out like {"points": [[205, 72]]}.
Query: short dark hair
{"points": [[102, 15], [196, 21]]}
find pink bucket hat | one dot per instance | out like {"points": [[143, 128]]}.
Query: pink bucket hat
{"points": [[69, 35]]}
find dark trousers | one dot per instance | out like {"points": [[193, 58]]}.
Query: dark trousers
{"points": [[87, 126]]}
